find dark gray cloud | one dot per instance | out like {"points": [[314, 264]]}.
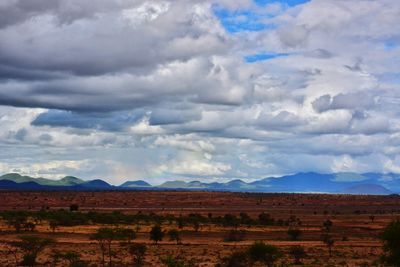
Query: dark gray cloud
{"points": [[351, 101], [12, 12], [99, 121], [161, 88]]}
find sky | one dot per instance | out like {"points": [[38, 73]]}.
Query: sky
{"points": [[198, 90]]}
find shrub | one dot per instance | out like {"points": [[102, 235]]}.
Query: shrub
{"points": [[31, 246], [298, 253], [74, 207], [174, 236], [261, 252], [327, 225], [235, 235], [294, 233], [329, 242], [137, 251], [265, 219], [236, 259], [156, 233], [179, 261]]}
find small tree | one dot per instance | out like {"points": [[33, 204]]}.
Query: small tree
{"points": [[105, 236], [125, 235], [329, 242], [30, 226], [245, 218], [16, 220], [261, 252], [235, 236], [156, 233], [294, 233], [196, 225], [231, 220], [265, 219], [391, 247], [174, 236], [73, 207], [137, 251], [180, 222], [178, 261], [31, 246], [53, 225], [372, 218], [73, 259], [298, 253], [327, 225]]}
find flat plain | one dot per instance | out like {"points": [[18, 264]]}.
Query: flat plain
{"points": [[355, 225]]}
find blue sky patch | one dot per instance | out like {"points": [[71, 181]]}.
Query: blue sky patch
{"points": [[263, 56], [250, 20], [243, 20], [391, 44], [285, 2]]}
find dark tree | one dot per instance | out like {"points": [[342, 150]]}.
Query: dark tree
{"points": [[31, 246], [137, 251], [329, 242], [16, 220], [267, 254], [196, 225], [230, 220], [235, 235], [72, 258], [156, 233], [298, 253], [54, 224], [294, 233], [327, 225], [391, 241], [74, 207], [236, 259], [125, 235], [174, 236], [180, 222], [30, 226], [245, 218], [372, 218], [265, 219], [179, 261], [105, 236]]}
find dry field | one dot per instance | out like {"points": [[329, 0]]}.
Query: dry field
{"points": [[357, 222]]}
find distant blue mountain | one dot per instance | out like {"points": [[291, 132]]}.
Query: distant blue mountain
{"points": [[367, 189], [311, 182], [11, 185]]}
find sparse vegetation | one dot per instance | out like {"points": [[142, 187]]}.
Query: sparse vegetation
{"points": [[118, 238]]}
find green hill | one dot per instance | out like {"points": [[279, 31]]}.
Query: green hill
{"points": [[66, 181]]}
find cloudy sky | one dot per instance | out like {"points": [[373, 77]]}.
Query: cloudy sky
{"points": [[190, 89]]}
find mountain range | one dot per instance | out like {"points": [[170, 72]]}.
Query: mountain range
{"points": [[311, 182]]}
